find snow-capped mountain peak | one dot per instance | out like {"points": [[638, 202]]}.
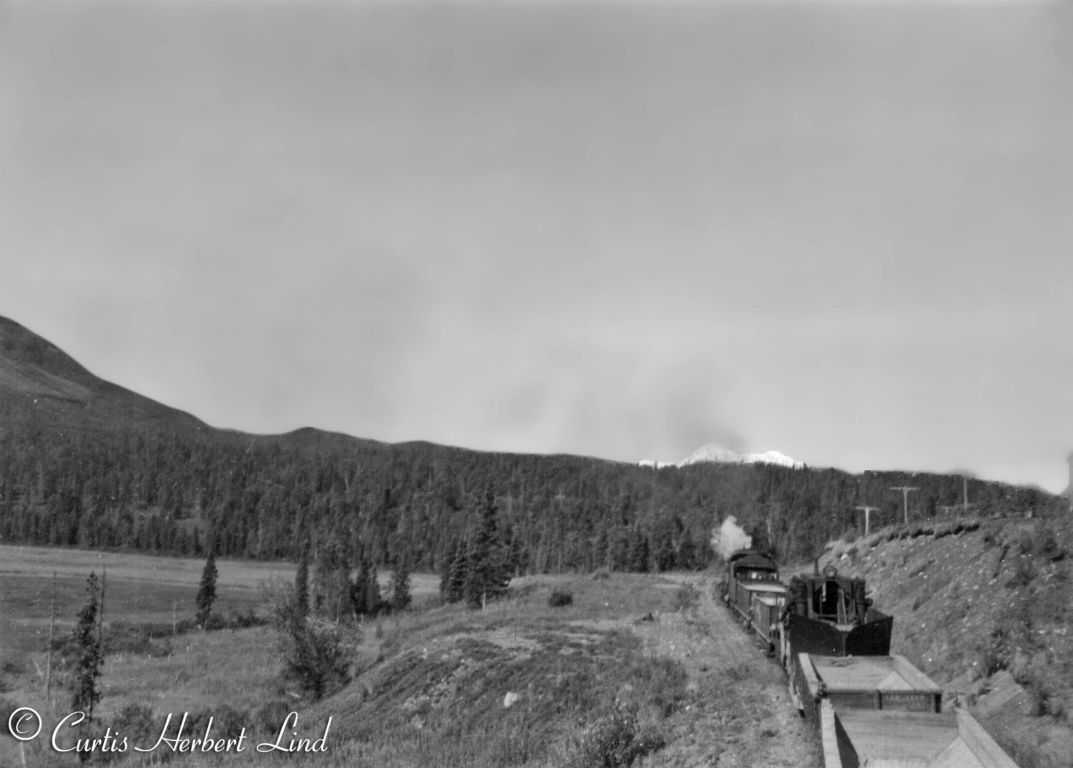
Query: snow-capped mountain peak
{"points": [[714, 452]]}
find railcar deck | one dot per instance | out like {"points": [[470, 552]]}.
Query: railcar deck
{"points": [[882, 712], [878, 739]]}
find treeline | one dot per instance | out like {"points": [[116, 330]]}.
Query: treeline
{"points": [[267, 497]]}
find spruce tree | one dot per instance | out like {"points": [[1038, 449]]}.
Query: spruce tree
{"points": [[88, 661], [400, 586], [331, 581], [486, 574], [666, 556], [206, 591], [639, 552], [373, 601], [359, 591], [453, 586], [687, 552]]}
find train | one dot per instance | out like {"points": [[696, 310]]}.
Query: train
{"points": [[824, 613], [869, 707]]}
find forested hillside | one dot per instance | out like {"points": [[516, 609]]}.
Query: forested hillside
{"points": [[86, 463], [264, 496]]}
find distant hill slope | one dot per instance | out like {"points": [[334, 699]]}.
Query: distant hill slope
{"points": [[41, 383], [84, 462], [984, 607]]}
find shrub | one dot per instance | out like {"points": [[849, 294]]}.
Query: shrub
{"points": [[227, 722], [315, 656], [135, 722], [269, 717], [996, 652], [560, 598], [7, 707], [614, 740], [685, 597], [1024, 573]]}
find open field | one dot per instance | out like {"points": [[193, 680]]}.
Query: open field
{"points": [[140, 589], [651, 660]]}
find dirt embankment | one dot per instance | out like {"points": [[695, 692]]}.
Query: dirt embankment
{"points": [[984, 607]]}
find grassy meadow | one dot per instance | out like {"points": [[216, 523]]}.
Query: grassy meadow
{"points": [[522, 682]]}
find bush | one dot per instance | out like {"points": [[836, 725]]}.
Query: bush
{"points": [[1042, 542], [269, 717], [1024, 573], [997, 651], [560, 598], [614, 740], [136, 723], [315, 657], [685, 597], [7, 707], [227, 722]]}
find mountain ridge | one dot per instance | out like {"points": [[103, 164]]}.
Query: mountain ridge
{"points": [[40, 383]]}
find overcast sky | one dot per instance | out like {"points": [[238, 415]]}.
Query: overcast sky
{"points": [[842, 231]]}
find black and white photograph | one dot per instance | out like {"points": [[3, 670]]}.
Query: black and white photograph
{"points": [[536, 383]]}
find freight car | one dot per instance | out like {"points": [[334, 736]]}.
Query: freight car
{"points": [[869, 708], [755, 593]]}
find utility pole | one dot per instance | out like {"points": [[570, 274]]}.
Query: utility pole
{"points": [[1070, 489], [51, 634], [867, 517], [906, 490], [100, 614]]}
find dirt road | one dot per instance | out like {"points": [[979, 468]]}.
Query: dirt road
{"points": [[739, 715]]}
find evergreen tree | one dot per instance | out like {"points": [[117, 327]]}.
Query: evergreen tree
{"points": [[206, 591], [486, 575], [400, 586], [314, 653], [359, 591], [639, 552], [374, 603], [666, 557], [687, 552], [331, 581], [88, 661], [453, 583]]}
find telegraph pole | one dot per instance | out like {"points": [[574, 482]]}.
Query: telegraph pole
{"points": [[1070, 489], [906, 490], [51, 634], [867, 517]]}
